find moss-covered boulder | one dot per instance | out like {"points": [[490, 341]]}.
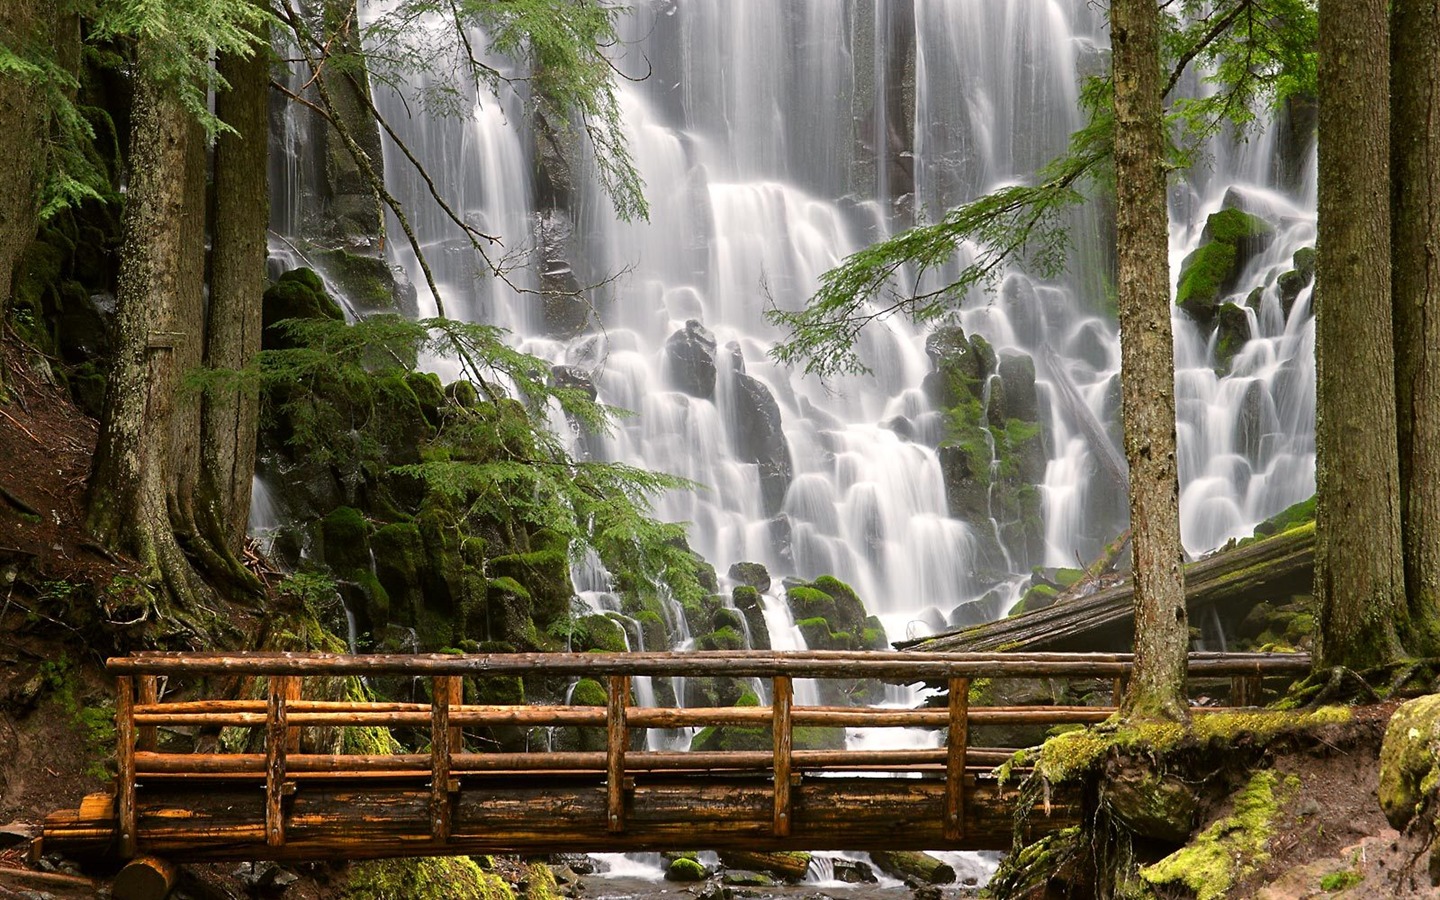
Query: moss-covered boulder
{"points": [[367, 281], [752, 574], [297, 294], [1291, 283], [600, 632], [685, 869], [1232, 237], [1410, 762], [343, 541]]}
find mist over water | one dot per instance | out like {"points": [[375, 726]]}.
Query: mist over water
{"points": [[775, 139]]}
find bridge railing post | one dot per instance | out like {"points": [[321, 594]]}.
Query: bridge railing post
{"points": [[783, 699], [957, 743], [443, 690], [148, 688], [277, 743], [125, 763], [617, 738]]}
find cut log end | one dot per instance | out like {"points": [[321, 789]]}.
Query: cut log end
{"points": [[145, 878]]}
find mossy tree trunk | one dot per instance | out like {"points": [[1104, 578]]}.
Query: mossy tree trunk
{"points": [[135, 459], [1359, 579], [237, 283], [1157, 687], [1415, 294]]}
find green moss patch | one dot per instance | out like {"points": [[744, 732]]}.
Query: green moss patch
{"points": [[1231, 848], [429, 878]]}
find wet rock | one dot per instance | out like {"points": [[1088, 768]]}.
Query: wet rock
{"points": [[264, 875], [1022, 308], [759, 438], [564, 313], [685, 869], [747, 600], [851, 871], [713, 890], [752, 573], [298, 294], [1017, 373], [690, 361], [743, 878], [903, 427], [579, 863], [1291, 283], [1232, 330], [574, 378]]}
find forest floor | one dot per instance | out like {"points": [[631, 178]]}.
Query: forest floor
{"points": [[55, 737]]}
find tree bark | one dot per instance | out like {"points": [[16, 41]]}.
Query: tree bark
{"points": [[1415, 295], [127, 507], [1359, 579], [237, 283], [23, 118], [1157, 687]]}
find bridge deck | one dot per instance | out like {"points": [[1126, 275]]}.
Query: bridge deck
{"points": [[291, 803]]}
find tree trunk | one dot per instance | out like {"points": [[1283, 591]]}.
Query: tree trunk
{"points": [[1415, 293], [1157, 688], [1359, 579], [242, 214], [130, 479], [23, 119]]}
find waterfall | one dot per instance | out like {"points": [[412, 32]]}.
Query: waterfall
{"points": [[776, 139]]}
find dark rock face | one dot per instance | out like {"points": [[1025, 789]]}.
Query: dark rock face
{"points": [[564, 313], [760, 439], [1297, 279], [1017, 374], [1232, 329], [575, 378], [1022, 308], [690, 361]]}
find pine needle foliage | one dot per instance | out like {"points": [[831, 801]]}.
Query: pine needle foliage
{"points": [[561, 44], [1259, 54], [496, 461]]}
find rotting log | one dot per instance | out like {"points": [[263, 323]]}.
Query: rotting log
{"points": [[145, 878], [1103, 448], [1277, 566], [910, 865], [791, 864]]}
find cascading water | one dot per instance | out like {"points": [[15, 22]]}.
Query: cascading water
{"points": [[775, 139]]}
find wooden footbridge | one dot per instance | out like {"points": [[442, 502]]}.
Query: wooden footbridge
{"points": [[291, 803]]}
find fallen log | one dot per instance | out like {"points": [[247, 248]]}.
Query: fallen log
{"points": [[910, 865], [1231, 580], [1106, 454], [145, 878], [790, 864]]}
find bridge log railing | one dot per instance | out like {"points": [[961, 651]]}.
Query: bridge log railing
{"points": [[449, 767]]}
